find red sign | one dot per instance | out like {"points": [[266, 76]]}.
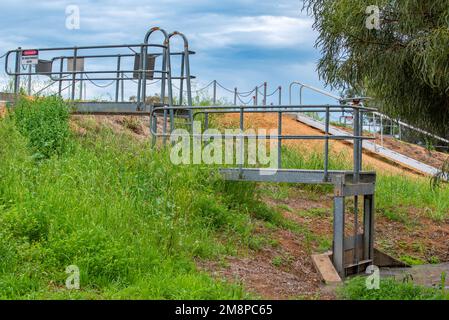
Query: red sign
{"points": [[28, 53]]}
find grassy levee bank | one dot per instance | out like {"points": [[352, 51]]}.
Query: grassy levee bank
{"points": [[134, 223], [129, 219]]}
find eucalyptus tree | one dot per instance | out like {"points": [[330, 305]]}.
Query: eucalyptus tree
{"points": [[394, 50]]}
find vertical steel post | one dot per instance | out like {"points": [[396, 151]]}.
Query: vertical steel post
{"points": [[75, 58], [30, 68], [368, 229], [117, 83], [140, 74], [235, 96], [280, 130], [61, 69], [339, 236], [214, 96], [163, 84], [214, 102], [122, 91], [170, 87], [181, 85], [17, 72], [356, 133], [242, 141], [265, 85], [256, 96], [381, 130], [81, 86], [357, 168], [326, 146]]}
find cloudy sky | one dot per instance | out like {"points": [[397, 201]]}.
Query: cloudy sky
{"points": [[238, 42]]}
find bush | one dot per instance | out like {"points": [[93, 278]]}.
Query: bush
{"points": [[45, 123]]}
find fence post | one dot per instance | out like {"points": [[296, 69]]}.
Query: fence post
{"points": [[117, 83], [75, 57], [326, 146], [256, 96], [235, 96], [17, 71], [29, 80], [214, 97], [280, 130], [61, 69], [265, 93]]}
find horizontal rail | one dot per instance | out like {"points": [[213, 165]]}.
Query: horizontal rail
{"points": [[267, 109], [295, 176]]}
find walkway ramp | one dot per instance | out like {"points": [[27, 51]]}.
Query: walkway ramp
{"points": [[371, 146]]}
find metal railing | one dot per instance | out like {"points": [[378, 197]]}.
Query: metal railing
{"points": [[357, 135], [67, 65], [374, 121]]}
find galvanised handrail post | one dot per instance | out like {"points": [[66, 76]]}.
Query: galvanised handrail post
{"points": [[75, 58], [265, 85], [214, 102], [326, 145], [181, 84], [17, 71], [280, 130], [256, 96], [357, 169], [214, 95], [186, 60], [61, 70], [140, 75], [117, 84], [30, 69]]}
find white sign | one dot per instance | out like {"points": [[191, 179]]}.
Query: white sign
{"points": [[30, 57]]}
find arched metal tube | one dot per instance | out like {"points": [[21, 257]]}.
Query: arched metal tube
{"points": [[166, 75], [186, 65]]}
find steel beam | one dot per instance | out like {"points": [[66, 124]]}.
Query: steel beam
{"points": [[292, 175]]}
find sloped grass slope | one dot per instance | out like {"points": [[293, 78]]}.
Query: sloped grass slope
{"points": [[130, 220]]}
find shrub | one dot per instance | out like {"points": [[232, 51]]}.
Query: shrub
{"points": [[45, 123]]}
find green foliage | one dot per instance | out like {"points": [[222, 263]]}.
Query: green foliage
{"points": [[355, 289], [405, 64], [45, 123], [394, 193], [412, 260]]}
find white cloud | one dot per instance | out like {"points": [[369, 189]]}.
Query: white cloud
{"points": [[264, 31]]}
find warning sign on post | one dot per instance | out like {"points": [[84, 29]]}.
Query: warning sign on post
{"points": [[30, 57]]}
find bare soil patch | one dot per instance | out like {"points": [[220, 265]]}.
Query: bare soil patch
{"points": [[279, 272]]}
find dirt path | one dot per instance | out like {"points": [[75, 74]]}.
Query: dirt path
{"points": [[280, 271], [291, 126], [283, 268]]}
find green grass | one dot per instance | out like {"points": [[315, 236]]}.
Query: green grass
{"points": [[133, 222], [130, 220], [390, 289], [394, 194]]}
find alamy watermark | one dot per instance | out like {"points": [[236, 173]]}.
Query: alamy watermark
{"points": [[233, 146], [372, 282], [73, 17], [73, 280], [372, 22]]}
